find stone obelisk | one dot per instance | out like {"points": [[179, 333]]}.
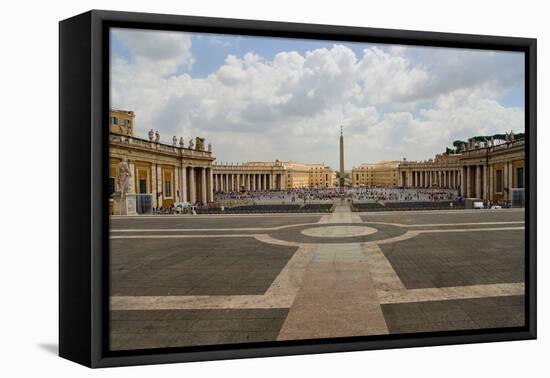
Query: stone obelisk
{"points": [[342, 180]]}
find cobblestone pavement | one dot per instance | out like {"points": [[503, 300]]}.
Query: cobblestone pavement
{"points": [[225, 279]]}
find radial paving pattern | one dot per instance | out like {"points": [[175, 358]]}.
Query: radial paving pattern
{"points": [[203, 280]]}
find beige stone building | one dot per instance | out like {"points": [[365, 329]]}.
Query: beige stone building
{"points": [[492, 172], [381, 174], [277, 175], [170, 173], [122, 122], [483, 170], [183, 171]]}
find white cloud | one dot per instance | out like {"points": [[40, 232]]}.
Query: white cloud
{"points": [[392, 102]]}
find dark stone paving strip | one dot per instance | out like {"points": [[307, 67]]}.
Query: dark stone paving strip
{"points": [[458, 259], [453, 217], [217, 222], [176, 328], [463, 314], [214, 266]]}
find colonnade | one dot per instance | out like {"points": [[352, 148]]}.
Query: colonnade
{"points": [[229, 182], [190, 184], [426, 178]]}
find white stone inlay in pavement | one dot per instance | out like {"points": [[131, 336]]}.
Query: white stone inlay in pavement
{"points": [[338, 231], [450, 293]]}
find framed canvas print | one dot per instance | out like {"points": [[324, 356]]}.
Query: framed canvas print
{"points": [[234, 188]]}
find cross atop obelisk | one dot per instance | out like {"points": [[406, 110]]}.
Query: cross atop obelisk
{"points": [[342, 181]]}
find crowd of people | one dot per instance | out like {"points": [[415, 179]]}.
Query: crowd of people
{"points": [[282, 196], [306, 195], [403, 194]]}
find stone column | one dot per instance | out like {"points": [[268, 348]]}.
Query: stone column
{"points": [[160, 189], [490, 183], [204, 199], [478, 182], [485, 187], [510, 178], [468, 181], [505, 182], [154, 184], [177, 184], [183, 184], [210, 185], [132, 182], [192, 186], [458, 177], [465, 190]]}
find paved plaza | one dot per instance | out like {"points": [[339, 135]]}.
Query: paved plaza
{"points": [[222, 279]]}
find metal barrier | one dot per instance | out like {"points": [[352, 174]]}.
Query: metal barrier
{"points": [[144, 203], [518, 197]]}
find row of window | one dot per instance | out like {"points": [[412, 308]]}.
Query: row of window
{"points": [[142, 186], [127, 122]]}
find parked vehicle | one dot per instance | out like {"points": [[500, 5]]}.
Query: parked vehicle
{"points": [[180, 207]]}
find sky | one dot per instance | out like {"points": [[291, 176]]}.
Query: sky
{"points": [[262, 99]]}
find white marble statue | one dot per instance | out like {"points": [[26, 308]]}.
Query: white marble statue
{"points": [[124, 175]]}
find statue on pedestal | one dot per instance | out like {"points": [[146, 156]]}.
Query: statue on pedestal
{"points": [[157, 136], [199, 143], [174, 141], [182, 143], [191, 144], [124, 175], [151, 135], [209, 147]]}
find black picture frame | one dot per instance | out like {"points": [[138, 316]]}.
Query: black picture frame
{"points": [[83, 160]]}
